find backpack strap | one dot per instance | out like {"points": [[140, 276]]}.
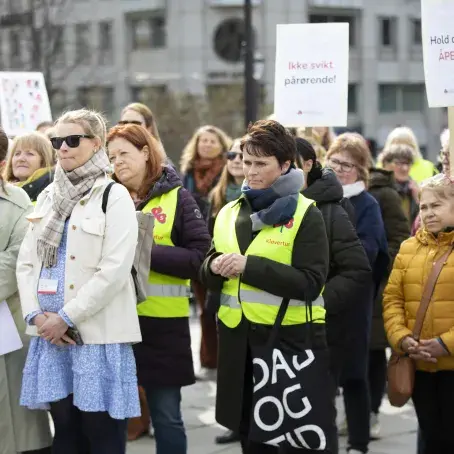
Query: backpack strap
{"points": [[105, 196]]}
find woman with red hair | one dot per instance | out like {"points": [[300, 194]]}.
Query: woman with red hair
{"points": [[181, 239]]}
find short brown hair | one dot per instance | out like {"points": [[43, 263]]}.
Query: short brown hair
{"points": [[141, 138], [269, 138], [398, 151], [32, 141], [356, 146]]}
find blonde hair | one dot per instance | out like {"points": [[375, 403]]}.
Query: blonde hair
{"points": [[147, 114], [404, 136], [32, 141], [356, 146], [189, 154], [442, 185], [217, 195], [92, 122]]}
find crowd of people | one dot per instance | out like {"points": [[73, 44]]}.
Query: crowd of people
{"points": [[280, 234]]}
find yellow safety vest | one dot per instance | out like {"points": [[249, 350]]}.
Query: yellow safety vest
{"points": [[274, 243], [168, 296]]}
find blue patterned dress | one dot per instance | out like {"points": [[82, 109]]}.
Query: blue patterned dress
{"points": [[100, 377]]}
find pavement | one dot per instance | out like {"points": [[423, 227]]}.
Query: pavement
{"points": [[398, 424]]}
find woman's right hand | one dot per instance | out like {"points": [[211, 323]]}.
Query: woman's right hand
{"points": [[39, 320], [408, 345], [215, 265]]}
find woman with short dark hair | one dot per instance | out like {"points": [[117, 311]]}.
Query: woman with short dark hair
{"points": [[268, 246]]}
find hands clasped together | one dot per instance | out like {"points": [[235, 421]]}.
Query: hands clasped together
{"points": [[424, 350], [229, 266], [52, 328]]}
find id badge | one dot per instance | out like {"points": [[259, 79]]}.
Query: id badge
{"points": [[47, 286]]}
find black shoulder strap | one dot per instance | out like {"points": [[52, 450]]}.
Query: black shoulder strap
{"points": [[105, 196]]}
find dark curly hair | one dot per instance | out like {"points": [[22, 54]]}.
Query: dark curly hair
{"points": [[269, 138]]}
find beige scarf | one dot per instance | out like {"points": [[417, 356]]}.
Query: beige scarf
{"points": [[68, 189]]}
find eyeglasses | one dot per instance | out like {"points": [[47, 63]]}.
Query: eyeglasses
{"points": [[131, 122], [72, 141], [231, 155], [402, 163], [344, 166]]}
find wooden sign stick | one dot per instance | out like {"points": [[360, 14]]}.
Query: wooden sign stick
{"points": [[451, 139]]}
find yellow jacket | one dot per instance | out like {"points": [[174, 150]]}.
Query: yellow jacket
{"points": [[403, 294]]}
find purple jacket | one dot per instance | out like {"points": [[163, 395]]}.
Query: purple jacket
{"points": [[164, 357]]}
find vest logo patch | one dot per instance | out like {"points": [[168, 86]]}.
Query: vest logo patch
{"points": [[159, 215], [289, 225]]}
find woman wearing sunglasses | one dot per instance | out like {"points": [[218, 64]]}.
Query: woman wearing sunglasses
{"points": [[350, 159], [137, 113], [77, 296], [164, 358], [30, 164]]}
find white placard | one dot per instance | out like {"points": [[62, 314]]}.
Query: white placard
{"points": [[438, 48], [9, 336], [311, 79], [23, 102]]}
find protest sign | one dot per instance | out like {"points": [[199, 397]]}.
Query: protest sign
{"points": [[311, 77], [438, 51], [23, 102]]}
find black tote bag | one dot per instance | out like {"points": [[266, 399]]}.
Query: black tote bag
{"points": [[293, 401]]}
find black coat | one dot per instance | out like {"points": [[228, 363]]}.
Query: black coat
{"points": [[303, 280], [383, 187], [34, 188], [349, 267], [164, 358]]}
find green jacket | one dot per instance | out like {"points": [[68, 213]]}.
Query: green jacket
{"points": [[20, 429]]}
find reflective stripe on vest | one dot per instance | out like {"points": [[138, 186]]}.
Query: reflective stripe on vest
{"points": [[274, 243], [263, 298], [168, 296]]}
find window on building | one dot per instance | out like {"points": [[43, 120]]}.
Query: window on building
{"points": [[15, 47], [323, 18], [58, 42], [83, 47], [148, 33], [106, 54], [388, 29], [97, 98], [58, 102], [413, 98], [416, 32], [149, 94], [352, 98], [388, 95]]}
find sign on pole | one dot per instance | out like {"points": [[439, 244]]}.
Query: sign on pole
{"points": [[24, 102], [438, 51], [311, 78]]}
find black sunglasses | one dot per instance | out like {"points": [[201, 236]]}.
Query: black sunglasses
{"points": [[231, 155], [132, 122], [72, 141]]}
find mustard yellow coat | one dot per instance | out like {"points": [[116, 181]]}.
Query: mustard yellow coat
{"points": [[403, 294]]}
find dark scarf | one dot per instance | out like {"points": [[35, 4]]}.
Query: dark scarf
{"points": [[277, 204]]}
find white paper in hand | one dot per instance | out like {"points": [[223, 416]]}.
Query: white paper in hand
{"points": [[10, 340]]}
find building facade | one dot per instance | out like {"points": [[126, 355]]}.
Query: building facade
{"points": [[107, 53]]}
